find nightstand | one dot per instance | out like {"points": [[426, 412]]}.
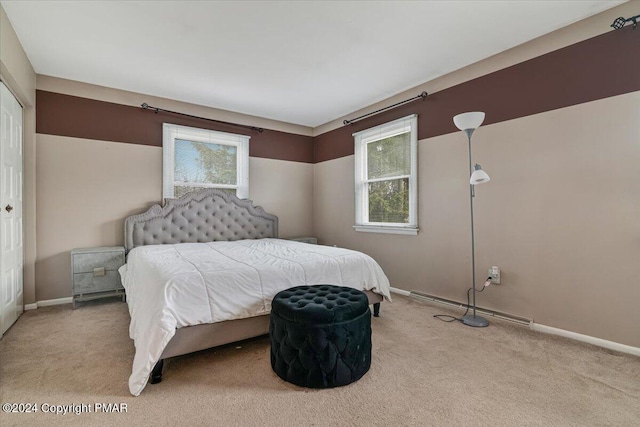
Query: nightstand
{"points": [[310, 240], [94, 273]]}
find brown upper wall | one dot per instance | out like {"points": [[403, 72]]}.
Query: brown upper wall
{"points": [[600, 67], [73, 116]]}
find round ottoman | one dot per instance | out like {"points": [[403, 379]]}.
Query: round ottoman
{"points": [[320, 335]]}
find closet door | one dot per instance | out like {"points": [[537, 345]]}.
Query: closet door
{"points": [[11, 304]]}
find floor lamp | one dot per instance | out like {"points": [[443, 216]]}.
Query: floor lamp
{"points": [[468, 123]]}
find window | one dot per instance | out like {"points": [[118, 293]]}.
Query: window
{"points": [[386, 177], [198, 158]]}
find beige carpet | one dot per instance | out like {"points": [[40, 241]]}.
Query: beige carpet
{"points": [[424, 373]]}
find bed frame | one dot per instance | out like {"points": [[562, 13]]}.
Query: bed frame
{"points": [[206, 216]]}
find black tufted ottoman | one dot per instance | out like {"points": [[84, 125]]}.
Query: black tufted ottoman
{"points": [[320, 335]]}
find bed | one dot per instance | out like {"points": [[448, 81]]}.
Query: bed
{"points": [[201, 272]]}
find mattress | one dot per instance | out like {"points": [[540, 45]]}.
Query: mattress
{"points": [[188, 284]]}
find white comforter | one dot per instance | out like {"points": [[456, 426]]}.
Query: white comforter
{"points": [[173, 286]]}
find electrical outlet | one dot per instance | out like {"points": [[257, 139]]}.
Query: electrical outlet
{"points": [[494, 274]]}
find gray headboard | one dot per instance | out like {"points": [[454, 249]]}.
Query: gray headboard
{"points": [[203, 216]]}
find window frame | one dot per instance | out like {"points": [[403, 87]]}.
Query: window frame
{"points": [[362, 140], [171, 132]]}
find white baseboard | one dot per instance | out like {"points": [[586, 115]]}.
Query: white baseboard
{"points": [[623, 348], [400, 291], [48, 302]]}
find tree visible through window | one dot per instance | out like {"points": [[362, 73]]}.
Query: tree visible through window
{"points": [[386, 175], [389, 160], [198, 158], [198, 163]]}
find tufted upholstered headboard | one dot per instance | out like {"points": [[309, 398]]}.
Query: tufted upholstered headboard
{"points": [[203, 216]]}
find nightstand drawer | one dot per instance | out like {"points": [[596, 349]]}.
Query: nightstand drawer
{"points": [[85, 263], [94, 272], [86, 283]]}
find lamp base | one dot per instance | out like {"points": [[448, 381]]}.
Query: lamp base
{"points": [[475, 321]]}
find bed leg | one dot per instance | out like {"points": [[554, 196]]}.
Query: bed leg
{"points": [[156, 373], [376, 309]]}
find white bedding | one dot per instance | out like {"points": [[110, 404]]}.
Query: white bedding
{"points": [[173, 286]]}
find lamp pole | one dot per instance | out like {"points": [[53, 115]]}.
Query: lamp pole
{"points": [[469, 132], [473, 320], [468, 123]]}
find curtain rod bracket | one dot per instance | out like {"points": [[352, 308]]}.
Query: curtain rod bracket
{"points": [[422, 96], [146, 107], [620, 22], [156, 110]]}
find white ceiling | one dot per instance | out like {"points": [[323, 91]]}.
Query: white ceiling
{"points": [[299, 62]]}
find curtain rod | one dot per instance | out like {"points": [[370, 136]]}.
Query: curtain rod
{"points": [[422, 96], [146, 106]]}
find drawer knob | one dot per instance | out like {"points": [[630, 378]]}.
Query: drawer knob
{"points": [[98, 272], [9, 208]]}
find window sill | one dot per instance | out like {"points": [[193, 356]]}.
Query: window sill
{"points": [[387, 230]]}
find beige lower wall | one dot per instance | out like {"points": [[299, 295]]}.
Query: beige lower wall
{"points": [[560, 217], [85, 189], [284, 189]]}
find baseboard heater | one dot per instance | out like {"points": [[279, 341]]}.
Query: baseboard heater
{"points": [[455, 304]]}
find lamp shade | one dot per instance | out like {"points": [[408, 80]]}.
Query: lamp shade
{"points": [[479, 176], [471, 120]]}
